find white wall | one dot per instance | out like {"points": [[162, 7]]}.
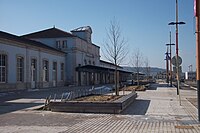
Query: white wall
{"points": [[87, 51], [77, 51], [13, 50]]}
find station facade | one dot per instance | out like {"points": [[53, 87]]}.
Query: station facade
{"points": [[53, 57]]}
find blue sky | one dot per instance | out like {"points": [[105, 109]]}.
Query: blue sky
{"points": [[144, 23]]}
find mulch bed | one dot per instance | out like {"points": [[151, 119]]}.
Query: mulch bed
{"points": [[135, 88], [98, 98]]}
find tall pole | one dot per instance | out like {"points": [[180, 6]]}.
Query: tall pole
{"points": [[177, 61], [171, 76], [167, 65], [170, 59], [177, 57], [197, 12]]}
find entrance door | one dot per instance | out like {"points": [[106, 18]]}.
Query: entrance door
{"points": [[33, 73], [54, 73]]}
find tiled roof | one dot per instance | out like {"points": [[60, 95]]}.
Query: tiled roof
{"points": [[4, 35], [49, 33]]}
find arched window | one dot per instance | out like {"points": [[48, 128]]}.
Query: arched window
{"points": [[45, 70]]}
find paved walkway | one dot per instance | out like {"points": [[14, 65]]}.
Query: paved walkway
{"points": [[155, 111]]}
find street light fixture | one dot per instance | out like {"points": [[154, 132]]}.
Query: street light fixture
{"points": [[174, 23], [177, 65]]}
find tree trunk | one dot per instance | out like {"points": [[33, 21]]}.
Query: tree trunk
{"points": [[116, 83], [137, 78]]}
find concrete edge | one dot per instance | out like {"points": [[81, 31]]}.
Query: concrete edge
{"points": [[114, 107]]}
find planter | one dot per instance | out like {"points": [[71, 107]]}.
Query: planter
{"points": [[113, 107]]}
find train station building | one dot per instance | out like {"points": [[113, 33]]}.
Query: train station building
{"points": [[53, 57]]}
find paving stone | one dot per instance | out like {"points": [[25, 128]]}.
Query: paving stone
{"points": [[162, 113]]}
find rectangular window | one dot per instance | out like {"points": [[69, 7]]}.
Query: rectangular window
{"points": [[20, 69], [45, 70], [58, 45], [62, 71], [61, 44], [54, 71], [3, 68], [64, 44]]}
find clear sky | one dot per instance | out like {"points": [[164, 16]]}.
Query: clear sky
{"points": [[144, 23]]}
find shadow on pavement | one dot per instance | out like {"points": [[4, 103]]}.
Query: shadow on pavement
{"points": [[138, 107], [162, 85], [10, 107], [156, 85], [153, 87], [7, 105], [6, 98]]}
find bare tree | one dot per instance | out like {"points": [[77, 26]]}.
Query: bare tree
{"points": [[147, 68], [115, 49], [137, 62]]}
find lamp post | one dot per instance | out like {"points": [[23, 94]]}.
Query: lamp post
{"points": [[170, 58], [197, 12], [177, 65]]}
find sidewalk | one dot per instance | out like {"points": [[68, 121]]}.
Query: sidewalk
{"points": [[154, 111]]}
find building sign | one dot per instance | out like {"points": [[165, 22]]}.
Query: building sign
{"points": [[174, 61]]}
